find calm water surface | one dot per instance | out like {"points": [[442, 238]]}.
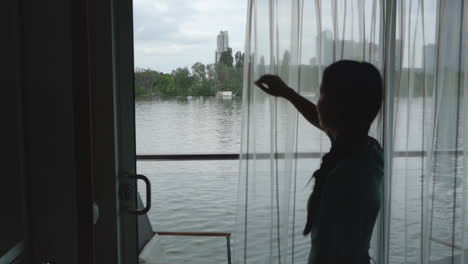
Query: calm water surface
{"points": [[201, 195], [191, 195]]}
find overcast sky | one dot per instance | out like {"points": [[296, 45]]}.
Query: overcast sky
{"points": [[177, 33]]}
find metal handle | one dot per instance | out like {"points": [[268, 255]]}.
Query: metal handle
{"points": [[148, 195]]}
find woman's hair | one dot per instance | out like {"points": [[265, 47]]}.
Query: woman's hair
{"points": [[355, 89]]}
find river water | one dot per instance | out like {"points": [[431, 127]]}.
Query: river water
{"points": [[200, 196], [193, 196]]}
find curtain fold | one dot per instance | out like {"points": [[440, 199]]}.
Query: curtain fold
{"points": [[420, 48]]}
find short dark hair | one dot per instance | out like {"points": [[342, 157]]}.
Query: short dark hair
{"points": [[355, 88]]}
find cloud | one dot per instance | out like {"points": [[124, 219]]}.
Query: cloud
{"points": [[164, 48], [170, 33]]}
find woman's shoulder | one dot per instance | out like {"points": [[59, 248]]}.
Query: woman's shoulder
{"points": [[367, 162], [370, 156]]}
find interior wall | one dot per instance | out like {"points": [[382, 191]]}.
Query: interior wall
{"points": [[56, 67], [49, 119], [11, 193], [45, 125]]}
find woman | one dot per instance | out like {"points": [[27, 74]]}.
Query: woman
{"points": [[345, 201]]}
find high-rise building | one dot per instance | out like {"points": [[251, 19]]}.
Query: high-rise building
{"points": [[324, 47], [429, 57], [222, 44], [450, 61]]}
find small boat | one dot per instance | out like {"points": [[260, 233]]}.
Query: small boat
{"points": [[224, 94], [309, 95]]}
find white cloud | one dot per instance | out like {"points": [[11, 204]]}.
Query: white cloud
{"points": [[160, 6], [151, 7], [178, 33], [214, 6], [165, 49]]}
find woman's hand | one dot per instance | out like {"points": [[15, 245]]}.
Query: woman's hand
{"points": [[273, 85]]}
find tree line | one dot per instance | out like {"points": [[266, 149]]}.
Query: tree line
{"points": [[199, 80], [226, 75]]}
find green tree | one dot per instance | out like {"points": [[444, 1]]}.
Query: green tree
{"points": [[145, 80], [199, 71], [139, 92], [261, 68], [211, 72], [222, 77], [239, 59], [211, 78], [166, 85], [284, 69], [202, 79], [226, 58], [183, 81], [202, 83], [226, 78], [238, 74]]}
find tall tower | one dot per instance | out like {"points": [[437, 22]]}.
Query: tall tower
{"points": [[222, 44], [429, 57], [324, 47]]}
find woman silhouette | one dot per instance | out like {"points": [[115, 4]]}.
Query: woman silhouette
{"points": [[345, 201]]}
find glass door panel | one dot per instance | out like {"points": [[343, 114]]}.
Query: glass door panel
{"points": [[188, 82]]}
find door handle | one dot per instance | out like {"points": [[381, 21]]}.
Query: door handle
{"points": [[148, 195]]}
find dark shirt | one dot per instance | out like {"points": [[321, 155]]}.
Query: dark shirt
{"points": [[349, 203]]}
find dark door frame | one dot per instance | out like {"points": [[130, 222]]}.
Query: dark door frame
{"points": [[110, 25], [75, 89]]}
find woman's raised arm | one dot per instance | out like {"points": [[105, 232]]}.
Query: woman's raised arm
{"points": [[273, 85]]}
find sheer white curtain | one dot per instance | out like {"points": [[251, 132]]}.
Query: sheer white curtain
{"points": [[280, 150], [420, 48], [426, 191]]}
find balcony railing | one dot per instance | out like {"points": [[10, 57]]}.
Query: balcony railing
{"points": [[204, 234], [302, 155]]}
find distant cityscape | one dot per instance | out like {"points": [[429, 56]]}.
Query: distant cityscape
{"points": [[330, 49], [222, 44], [223, 77]]}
